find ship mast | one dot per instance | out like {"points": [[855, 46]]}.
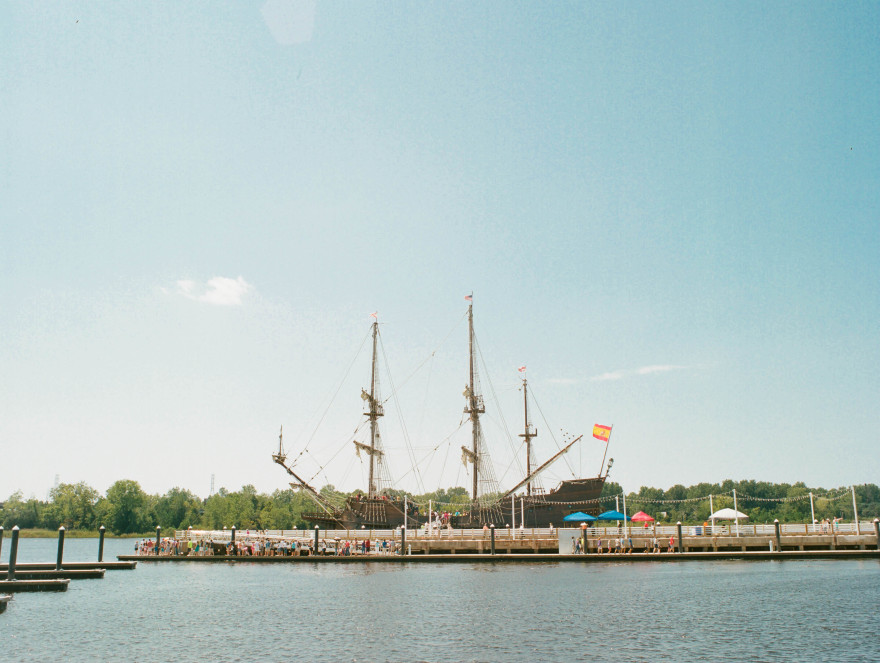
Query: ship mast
{"points": [[374, 414], [373, 450], [529, 433], [475, 406], [281, 459]]}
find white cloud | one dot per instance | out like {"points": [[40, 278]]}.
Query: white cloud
{"points": [[290, 21], [219, 290], [644, 370]]}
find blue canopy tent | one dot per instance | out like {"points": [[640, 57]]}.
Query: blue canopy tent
{"points": [[613, 515], [579, 517]]}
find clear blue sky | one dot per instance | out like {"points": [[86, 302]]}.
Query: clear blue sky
{"points": [[670, 214]]}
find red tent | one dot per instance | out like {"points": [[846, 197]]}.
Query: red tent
{"points": [[641, 517]]}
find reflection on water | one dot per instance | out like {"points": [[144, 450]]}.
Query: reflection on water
{"points": [[713, 611]]}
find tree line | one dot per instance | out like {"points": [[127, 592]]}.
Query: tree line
{"points": [[126, 508]]}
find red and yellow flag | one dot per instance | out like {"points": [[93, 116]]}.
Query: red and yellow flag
{"points": [[601, 432]]}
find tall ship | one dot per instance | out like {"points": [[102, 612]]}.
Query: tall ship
{"points": [[379, 507]]}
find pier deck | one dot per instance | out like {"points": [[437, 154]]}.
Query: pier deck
{"points": [[55, 574], [13, 586], [514, 557], [69, 566]]}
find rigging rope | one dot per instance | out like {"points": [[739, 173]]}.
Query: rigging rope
{"points": [[552, 436], [399, 411], [333, 398], [427, 359]]}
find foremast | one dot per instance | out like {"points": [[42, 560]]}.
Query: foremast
{"points": [[378, 476]]}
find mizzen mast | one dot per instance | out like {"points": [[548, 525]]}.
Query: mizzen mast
{"points": [[529, 433]]}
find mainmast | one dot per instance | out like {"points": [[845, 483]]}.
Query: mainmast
{"points": [[529, 433], [475, 406]]}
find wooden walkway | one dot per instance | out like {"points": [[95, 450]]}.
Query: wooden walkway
{"points": [[529, 558]]}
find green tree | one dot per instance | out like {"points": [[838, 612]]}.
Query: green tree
{"points": [[216, 511], [177, 509], [72, 505], [127, 508], [24, 513]]}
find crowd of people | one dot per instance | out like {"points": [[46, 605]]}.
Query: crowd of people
{"points": [[624, 545], [263, 547]]}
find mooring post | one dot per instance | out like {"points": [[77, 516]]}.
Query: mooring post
{"points": [[101, 543], [317, 529], [13, 553], [234, 551], [158, 538], [403, 541], [680, 542], [876, 531], [60, 548], [492, 534], [778, 536]]}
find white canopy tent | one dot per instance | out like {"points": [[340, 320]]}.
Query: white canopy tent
{"points": [[728, 514]]}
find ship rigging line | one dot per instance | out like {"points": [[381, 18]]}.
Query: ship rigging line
{"points": [[445, 440], [322, 468], [504, 426], [333, 398], [535, 401], [398, 409], [424, 361]]}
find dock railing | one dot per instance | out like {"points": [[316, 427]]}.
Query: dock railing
{"points": [[727, 529]]}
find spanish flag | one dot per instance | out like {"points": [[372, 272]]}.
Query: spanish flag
{"points": [[601, 432]]}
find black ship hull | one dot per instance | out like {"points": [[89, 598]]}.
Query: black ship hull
{"points": [[368, 513], [538, 511]]}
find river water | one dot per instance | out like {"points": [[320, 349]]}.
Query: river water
{"points": [[822, 610]]}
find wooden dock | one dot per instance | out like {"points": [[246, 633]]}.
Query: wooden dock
{"points": [[519, 557], [55, 574], [69, 566], [13, 586]]}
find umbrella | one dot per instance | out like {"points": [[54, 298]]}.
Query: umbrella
{"points": [[613, 515], [727, 514], [579, 517], [641, 516]]}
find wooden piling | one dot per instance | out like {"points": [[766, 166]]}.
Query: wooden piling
{"points": [[60, 548], [13, 554]]}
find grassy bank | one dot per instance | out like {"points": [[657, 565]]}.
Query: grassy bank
{"points": [[37, 533]]}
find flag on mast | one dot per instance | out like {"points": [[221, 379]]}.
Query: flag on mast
{"points": [[469, 298], [601, 432], [375, 315], [522, 369]]}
